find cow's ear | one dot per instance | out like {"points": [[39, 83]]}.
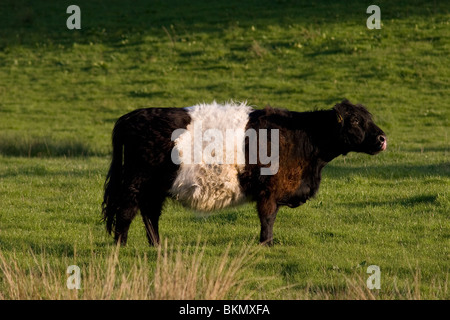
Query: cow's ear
{"points": [[339, 118]]}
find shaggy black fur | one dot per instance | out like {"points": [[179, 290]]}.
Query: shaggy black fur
{"points": [[142, 171], [308, 141]]}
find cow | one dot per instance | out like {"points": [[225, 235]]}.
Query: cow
{"points": [[160, 152]]}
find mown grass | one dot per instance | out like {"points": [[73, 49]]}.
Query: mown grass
{"points": [[62, 90]]}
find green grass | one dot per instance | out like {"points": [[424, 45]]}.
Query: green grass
{"points": [[62, 90]]}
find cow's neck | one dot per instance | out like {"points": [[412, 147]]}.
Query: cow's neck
{"points": [[323, 131]]}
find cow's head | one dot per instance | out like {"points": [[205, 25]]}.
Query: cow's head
{"points": [[358, 132]]}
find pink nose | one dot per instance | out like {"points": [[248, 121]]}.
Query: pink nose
{"points": [[383, 141]]}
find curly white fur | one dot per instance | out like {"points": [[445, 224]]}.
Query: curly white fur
{"points": [[203, 185]]}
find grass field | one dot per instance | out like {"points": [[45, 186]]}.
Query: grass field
{"points": [[61, 91]]}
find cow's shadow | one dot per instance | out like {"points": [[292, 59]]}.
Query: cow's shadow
{"points": [[388, 171], [403, 202]]}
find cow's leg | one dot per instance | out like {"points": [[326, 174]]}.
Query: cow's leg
{"points": [[150, 215], [150, 204], [267, 211], [123, 221], [126, 212]]}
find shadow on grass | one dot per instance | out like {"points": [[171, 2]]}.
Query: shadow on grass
{"points": [[43, 147], [116, 23], [33, 247], [403, 202], [38, 170], [388, 171]]}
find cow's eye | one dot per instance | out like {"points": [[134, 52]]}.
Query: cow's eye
{"points": [[355, 122]]}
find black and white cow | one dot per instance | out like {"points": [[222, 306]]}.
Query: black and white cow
{"points": [[211, 156]]}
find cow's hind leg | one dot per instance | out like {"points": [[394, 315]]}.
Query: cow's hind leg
{"points": [[267, 211], [127, 211], [150, 204]]}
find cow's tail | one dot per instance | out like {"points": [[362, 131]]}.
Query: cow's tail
{"points": [[114, 179]]}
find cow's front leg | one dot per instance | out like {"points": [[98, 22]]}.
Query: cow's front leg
{"points": [[267, 211]]}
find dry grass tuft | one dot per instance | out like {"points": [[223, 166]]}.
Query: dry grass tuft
{"points": [[179, 274], [183, 273]]}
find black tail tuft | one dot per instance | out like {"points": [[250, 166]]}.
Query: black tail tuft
{"points": [[113, 183]]}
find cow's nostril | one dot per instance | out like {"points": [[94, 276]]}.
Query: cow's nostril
{"points": [[381, 138]]}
